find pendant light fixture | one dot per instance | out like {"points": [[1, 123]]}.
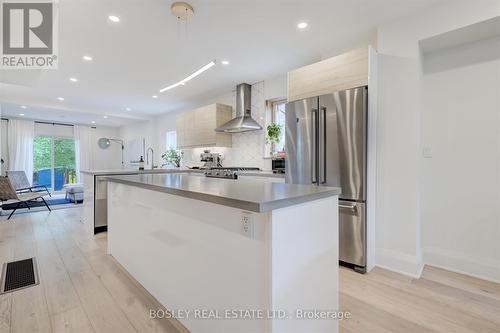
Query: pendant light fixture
{"points": [[184, 12]]}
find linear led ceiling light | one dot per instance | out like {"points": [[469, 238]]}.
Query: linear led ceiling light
{"points": [[190, 77]]}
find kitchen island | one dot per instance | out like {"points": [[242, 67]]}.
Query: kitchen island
{"points": [[229, 255]]}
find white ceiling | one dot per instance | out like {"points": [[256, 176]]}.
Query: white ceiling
{"points": [[148, 50], [64, 115]]}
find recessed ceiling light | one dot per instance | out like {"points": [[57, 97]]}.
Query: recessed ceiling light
{"points": [[23, 107], [225, 62], [87, 58], [105, 117], [128, 109], [93, 122], [60, 98], [190, 77], [302, 25], [21, 114], [114, 18], [155, 96], [73, 79]]}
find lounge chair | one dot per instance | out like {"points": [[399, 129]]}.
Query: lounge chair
{"points": [[21, 184], [8, 195]]}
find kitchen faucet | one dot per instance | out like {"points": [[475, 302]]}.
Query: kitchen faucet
{"points": [[152, 157]]}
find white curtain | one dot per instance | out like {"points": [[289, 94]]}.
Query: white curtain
{"points": [[83, 149], [20, 136]]}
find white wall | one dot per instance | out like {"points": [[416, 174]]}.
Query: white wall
{"points": [[140, 130], [366, 39], [247, 148], [397, 166], [399, 159], [111, 157], [53, 130], [461, 182]]}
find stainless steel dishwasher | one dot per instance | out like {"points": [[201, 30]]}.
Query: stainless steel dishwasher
{"points": [[100, 204]]}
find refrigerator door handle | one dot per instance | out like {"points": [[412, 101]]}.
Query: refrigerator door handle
{"points": [[314, 143], [322, 145], [352, 207]]}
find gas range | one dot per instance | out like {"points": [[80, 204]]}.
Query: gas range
{"points": [[227, 172]]}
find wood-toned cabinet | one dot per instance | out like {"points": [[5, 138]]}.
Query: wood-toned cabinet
{"points": [[196, 128], [345, 71]]}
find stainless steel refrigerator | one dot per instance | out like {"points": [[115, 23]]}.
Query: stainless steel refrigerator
{"points": [[326, 146]]}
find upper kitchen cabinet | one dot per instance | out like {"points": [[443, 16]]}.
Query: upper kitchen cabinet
{"points": [[345, 71], [196, 128]]}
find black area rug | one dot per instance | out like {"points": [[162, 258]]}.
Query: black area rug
{"points": [[50, 202]]}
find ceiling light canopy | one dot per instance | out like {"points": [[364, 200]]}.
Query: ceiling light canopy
{"points": [[21, 114], [23, 107], [105, 117], [114, 18], [182, 10], [87, 58], [73, 79], [190, 77], [60, 98], [155, 96], [225, 62], [302, 25]]}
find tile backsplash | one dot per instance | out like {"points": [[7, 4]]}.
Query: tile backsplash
{"points": [[248, 149]]}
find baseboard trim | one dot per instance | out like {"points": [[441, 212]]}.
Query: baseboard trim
{"points": [[103, 228], [463, 264], [399, 262]]}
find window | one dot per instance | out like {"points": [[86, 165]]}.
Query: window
{"points": [[278, 117], [53, 162], [171, 140]]}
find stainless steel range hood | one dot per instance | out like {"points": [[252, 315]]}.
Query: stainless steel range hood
{"points": [[243, 121]]}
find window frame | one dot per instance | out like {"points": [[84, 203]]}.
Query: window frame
{"points": [[273, 107], [167, 133]]}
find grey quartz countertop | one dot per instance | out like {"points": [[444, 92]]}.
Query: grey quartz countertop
{"points": [[243, 194], [106, 172], [263, 173]]}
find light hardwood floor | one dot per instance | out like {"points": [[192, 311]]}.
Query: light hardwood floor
{"points": [[81, 288], [84, 290]]}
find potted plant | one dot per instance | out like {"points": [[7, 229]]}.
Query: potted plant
{"points": [[273, 134], [172, 157]]}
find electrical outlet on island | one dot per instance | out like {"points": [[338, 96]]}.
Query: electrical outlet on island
{"points": [[247, 224]]}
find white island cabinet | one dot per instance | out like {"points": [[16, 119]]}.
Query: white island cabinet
{"points": [[229, 255]]}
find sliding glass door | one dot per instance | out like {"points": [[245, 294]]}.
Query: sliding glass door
{"points": [[54, 162], [64, 162], [42, 161]]}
